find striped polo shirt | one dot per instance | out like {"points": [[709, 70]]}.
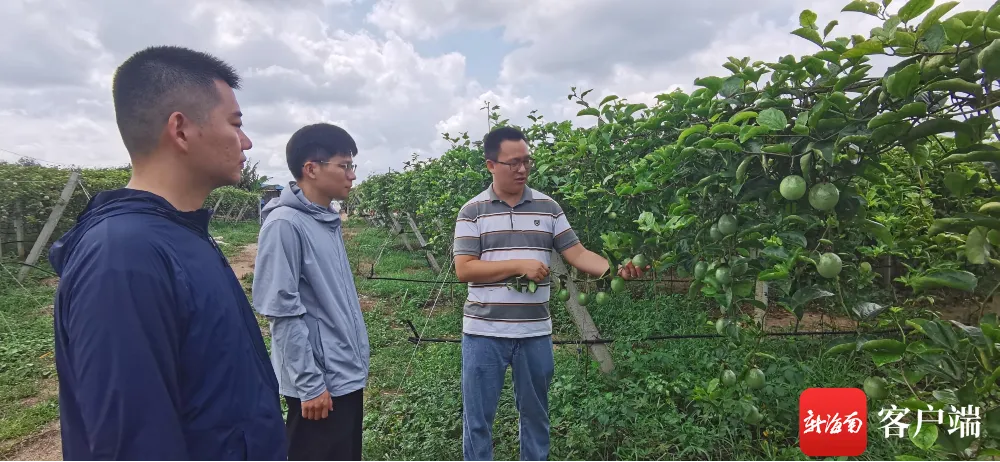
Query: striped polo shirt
{"points": [[491, 230]]}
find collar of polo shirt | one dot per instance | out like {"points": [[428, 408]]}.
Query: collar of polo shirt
{"points": [[525, 195]]}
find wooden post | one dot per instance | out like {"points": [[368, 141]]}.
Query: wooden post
{"points": [[760, 293], [50, 225], [581, 317], [242, 211], [423, 245], [19, 230], [397, 229], [416, 232], [217, 204]]}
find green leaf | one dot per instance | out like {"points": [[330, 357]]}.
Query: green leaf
{"points": [[589, 111], [935, 127], [862, 6], [731, 86], [740, 117], [868, 47], [975, 156], [926, 437], [803, 296], [941, 334], [914, 8], [807, 18], [904, 82], [724, 129], [867, 310], [933, 38], [913, 404], [713, 83], [753, 132], [773, 119], [829, 27], [955, 183], [954, 279], [783, 148], [955, 30], [878, 230], [809, 34], [976, 246], [955, 85], [608, 99], [842, 348], [935, 16], [700, 128]]}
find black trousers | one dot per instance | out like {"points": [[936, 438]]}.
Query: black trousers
{"points": [[337, 437]]}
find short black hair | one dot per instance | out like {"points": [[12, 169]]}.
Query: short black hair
{"points": [[160, 80], [493, 140], [317, 142]]}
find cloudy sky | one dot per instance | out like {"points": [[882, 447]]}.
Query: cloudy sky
{"points": [[395, 73]]}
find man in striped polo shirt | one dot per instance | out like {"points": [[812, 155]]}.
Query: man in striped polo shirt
{"points": [[506, 232]]}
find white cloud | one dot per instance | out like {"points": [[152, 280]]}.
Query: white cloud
{"points": [[306, 61]]}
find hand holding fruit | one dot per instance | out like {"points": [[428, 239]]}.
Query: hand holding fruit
{"points": [[633, 268]]}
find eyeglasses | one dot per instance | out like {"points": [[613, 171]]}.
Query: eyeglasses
{"points": [[350, 166], [516, 165]]}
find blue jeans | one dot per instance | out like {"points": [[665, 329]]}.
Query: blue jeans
{"points": [[484, 365]]}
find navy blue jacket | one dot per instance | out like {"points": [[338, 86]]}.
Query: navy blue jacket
{"points": [[158, 353]]}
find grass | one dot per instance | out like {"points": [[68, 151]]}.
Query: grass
{"points": [[232, 237], [659, 403], [28, 385]]}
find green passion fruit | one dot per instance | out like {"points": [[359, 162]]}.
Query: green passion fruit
{"points": [[714, 233], [563, 295], [723, 275], [829, 265], [792, 187], [602, 297], [728, 377], [876, 388], [727, 225], [617, 284], [824, 196], [755, 379], [699, 269]]}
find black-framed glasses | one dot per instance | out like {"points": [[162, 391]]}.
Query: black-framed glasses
{"points": [[516, 165], [350, 166]]}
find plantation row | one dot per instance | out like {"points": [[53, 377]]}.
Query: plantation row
{"points": [[31, 192], [804, 173]]}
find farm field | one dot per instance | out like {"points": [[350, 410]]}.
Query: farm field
{"points": [[664, 401], [659, 404]]}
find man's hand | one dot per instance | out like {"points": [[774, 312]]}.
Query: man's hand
{"points": [[318, 407], [630, 271], [534, 270]]}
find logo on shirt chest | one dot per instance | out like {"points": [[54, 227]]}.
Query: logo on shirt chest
{"points": [[538, 222]]}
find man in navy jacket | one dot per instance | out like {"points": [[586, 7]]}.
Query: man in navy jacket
{"points": [[158, 352]]}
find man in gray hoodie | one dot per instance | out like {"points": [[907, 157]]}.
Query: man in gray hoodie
{"points": [[303, 284]]}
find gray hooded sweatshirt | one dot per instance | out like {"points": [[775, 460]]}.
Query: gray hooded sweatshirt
{"points": [[303, 284]]}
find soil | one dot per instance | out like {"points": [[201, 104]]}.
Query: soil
{"points": [[44, 445], [243, 262]]}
